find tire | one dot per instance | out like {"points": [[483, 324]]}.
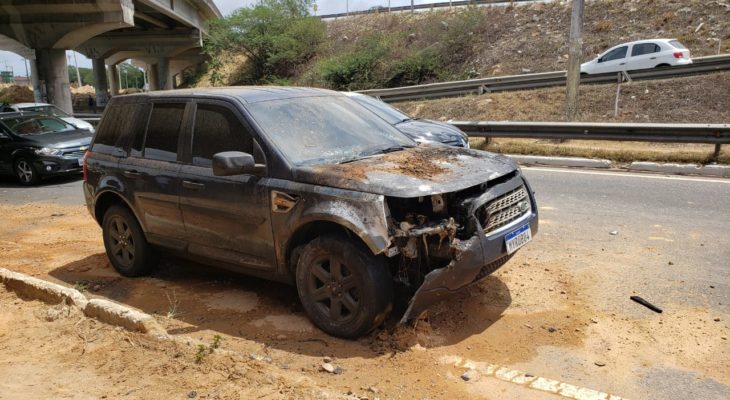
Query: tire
{"points": [[125, 243], [348, 301], [26, 172]]}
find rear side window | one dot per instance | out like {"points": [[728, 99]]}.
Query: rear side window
{"points": [[217, 129], [677, 45], [115, 128], [644, 48], [163, 131], [615, 54]]}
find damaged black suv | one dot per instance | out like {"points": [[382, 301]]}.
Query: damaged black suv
{"points": [[302, 186]]}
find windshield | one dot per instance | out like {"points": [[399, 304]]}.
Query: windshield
{"points": [[47, 110], [37, 125], [387, 112], [327, 129]]}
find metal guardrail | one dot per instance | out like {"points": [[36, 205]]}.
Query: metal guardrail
{"points": [[668, 133], [454, 3], [701, 65]]}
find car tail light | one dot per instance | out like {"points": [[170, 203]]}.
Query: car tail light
{"points": [[86, 155], [678, 54]]}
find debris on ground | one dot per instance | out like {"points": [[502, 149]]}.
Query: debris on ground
{"points": [[646, 304]]}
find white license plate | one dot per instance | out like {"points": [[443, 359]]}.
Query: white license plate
{"points": [[518, 238], [81, 162]]}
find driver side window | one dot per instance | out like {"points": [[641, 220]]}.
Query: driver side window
{"points": [[615, 54], [217, 129]]}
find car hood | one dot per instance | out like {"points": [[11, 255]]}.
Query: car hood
{"points": [[61, 140], [413, 172], [425, 130]]}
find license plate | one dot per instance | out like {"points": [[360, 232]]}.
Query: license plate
{"points": [[81, 162], [518, 238]]}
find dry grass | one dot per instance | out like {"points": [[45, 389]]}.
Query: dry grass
{"points": [[615, 151], [698, 99]]}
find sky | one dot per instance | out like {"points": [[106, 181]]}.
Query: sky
{"points": [[12, 61]]}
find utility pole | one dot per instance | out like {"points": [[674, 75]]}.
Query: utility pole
{"points": [[574, 57], [412, 7], [347, 7], [78, 74]]}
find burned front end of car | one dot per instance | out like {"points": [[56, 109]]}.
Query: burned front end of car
{"points": [[443, 243]]}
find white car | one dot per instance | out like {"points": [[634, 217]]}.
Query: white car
{"points": [[642, 54], [49, 109]]}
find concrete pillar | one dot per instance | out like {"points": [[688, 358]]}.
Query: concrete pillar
{"points": [[34, 81], [163, 74], [113, 80], [101, 86], [154, 78], [53, 78]]}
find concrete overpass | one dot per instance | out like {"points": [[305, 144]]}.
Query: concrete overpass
{"points": [[162, 33]]}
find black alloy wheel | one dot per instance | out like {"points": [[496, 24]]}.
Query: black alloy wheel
{"points": [[344, 288]]}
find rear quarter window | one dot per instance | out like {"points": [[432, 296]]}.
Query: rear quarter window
{"points": [[115, 129], [163, 131]]}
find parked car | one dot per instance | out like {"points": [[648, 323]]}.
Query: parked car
{"points": [[642, 54], [301, 186], [420, 130], [49, 109], [33, 146]]}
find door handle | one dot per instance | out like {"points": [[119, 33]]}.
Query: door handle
{"points": [[132, 174], [193, 185], [653, 58], [622, 64]]}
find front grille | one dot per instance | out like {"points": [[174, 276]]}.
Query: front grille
{"points": [[74, 153], [504, 209]]}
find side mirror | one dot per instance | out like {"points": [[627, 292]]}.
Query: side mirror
{"points": [[4, 135], [229, 163]]}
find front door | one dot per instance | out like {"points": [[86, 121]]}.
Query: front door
{"points": [[227, 218], [613, 61], [6, 142]]}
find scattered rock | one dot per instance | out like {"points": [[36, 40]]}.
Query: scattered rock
{"points": [[528, 326], [613, 233], [373, 389], [600, 363], [327, 359], [551, 329], [281, 337], [526, 70], [328, 367], [57, 215], [445, 24], [469, 375], [96, 287], [595, 321], [193, 394], [339, 370], [670, 263], [717, 319]]}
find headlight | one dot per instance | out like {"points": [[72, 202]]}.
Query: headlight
{"points": [[47, 151]]}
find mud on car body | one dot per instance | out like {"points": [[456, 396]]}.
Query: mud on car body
{"points": [[306, 187]]}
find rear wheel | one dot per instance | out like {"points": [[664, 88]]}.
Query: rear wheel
{"points": [[343, 287], [125, 244], [26, 172]]}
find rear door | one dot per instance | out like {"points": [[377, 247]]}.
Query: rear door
{"points": [[227, 218], [613, 61], [6, 145], [644, 55], [151, 173]]}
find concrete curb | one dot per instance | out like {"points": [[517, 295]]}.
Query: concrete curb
{"points": [[103, 310], [561, 161], [722, 171], [39, 289]]}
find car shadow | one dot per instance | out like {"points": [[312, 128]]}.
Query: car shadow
{"points": [[7, 181], [193, 299]]}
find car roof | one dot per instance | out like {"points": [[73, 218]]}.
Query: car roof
{"points": [[247, 94], [16, 114], [644, 41], [21, 105]]}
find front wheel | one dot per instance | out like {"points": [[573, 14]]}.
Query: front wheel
{"points": [[26, 172], [343, 287]]}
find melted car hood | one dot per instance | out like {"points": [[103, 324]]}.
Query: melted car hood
{"points": [[431, 131], [61, 140], [413, 172]]}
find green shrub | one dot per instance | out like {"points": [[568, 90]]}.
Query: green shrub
{"points": [[357, 69], [414, 69]]}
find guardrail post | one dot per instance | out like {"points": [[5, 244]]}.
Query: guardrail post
{"points": [[716, 153]]}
